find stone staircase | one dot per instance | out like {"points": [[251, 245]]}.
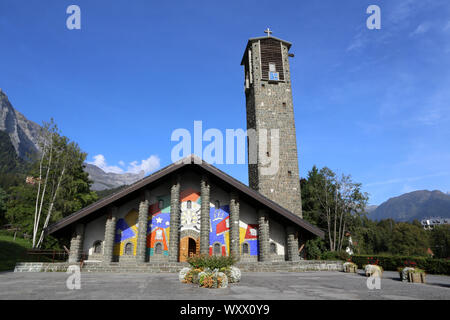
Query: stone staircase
{"points": [[167, 267]]}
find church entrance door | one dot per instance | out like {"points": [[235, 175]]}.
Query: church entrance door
{"points": [[192, 247]]}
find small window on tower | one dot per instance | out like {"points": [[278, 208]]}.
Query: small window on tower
{"points": [[273, 74], [289, 173]]}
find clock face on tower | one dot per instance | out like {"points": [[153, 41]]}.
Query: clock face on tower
{"points": [[190, 216]]}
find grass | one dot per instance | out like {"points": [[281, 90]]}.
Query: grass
{"points": [[12, 251]]}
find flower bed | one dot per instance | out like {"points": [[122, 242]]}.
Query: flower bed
{"points": [[210, 272]]}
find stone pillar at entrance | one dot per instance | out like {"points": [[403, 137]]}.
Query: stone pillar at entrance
{"points": [[204, 216], [174, 219], [234, 226], [76, 244], [263, 235], [142, 231], [292, 244], [110, 233]]}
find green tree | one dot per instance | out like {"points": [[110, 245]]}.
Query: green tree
{"points": [[3, 201], [20, 207], [57, 185], [409, 239], [440, 241], [332, 202]]}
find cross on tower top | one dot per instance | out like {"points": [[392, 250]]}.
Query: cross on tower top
{"points": [[268, 31]]}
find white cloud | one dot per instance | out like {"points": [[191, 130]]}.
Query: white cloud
{"points": [[100, 161], [148, 165]]}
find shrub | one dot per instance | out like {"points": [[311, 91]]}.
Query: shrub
{"points": [[210, 262], [213, 280], [392, 263], [192, 276], [314, 248], [233, 274], [335, 255]]}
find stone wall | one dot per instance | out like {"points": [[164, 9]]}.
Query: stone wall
{"points": [[124, 267]]}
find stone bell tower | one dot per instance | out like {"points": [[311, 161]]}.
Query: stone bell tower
{"points": [[269, 106]]}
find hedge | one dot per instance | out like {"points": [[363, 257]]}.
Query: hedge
{"points": [[392, 263]]}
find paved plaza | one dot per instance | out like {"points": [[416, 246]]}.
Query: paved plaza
{"points": [[256, 286]]}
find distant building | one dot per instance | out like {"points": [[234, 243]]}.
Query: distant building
{"points": [[429, 223]]}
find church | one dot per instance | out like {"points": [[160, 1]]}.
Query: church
{"points": [[190, 207]]}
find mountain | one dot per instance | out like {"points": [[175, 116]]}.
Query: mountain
{"points": [[19, 141], [414, 205], [108, 180], [22, 132]]}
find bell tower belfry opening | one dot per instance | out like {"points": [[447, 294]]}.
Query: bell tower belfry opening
{"points": [[269, 106]]}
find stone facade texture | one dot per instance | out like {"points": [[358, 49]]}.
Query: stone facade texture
{"points": [[269, 105], [119, 267], [292, 244], [110, 230], [263, 236], [234, 226], [204, 215], [142, 232], [174, 219], [76, 244]]}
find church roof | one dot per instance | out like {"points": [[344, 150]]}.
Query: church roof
{"points": [[195, 163], [287, 43]]}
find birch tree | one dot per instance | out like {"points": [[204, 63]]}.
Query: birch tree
{"points": [[60, 175]]}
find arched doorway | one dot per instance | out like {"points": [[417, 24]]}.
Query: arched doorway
{"points": [[192, 247], [189, 246]]}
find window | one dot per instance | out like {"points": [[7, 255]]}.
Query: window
{"points": [[217, 249], [217, 204], [158, 248], [272, 67], [161, 204], [98, 246], [273, 248], [245, 248], [273, 74], [129, 249], [289, 173], [189, 204]]}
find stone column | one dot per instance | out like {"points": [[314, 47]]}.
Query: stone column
{"points": [[204, 216], [76, 244], [141, 247], [174, 219], [263, 236], [234, 226], [292, 244], [110, 234]]}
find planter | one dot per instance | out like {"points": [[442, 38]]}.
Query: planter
{"points": [[373, 270], [416, 277], [350, 267]]}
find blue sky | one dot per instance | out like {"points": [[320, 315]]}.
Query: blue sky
{"points": [[371, 103]]}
